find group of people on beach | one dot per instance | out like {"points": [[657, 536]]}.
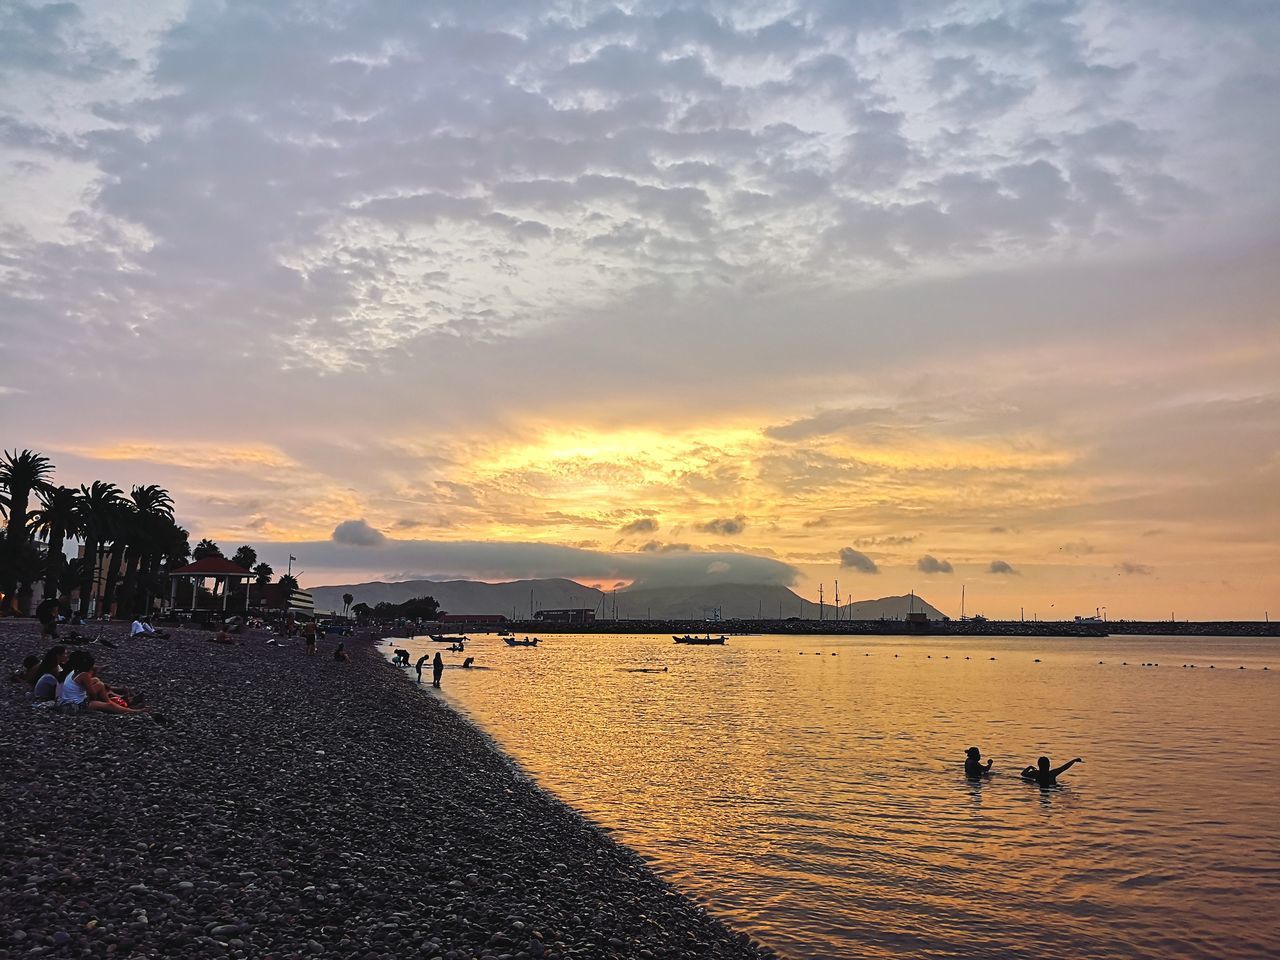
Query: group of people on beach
{"points": [[1043, 773], [69, 680]]}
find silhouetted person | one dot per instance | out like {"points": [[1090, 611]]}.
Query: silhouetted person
{"points": [[466, 664], [437, 668], [973, 765], [47, 614], [418, 666], [1046, 776]]}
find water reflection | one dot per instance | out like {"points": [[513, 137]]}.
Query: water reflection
{"points": [[821, 801]]}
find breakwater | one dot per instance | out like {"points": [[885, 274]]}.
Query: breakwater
{"points": [[880, 628], [301, 807]]}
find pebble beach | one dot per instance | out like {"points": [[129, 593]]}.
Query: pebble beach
{"points": [[295, 806]]}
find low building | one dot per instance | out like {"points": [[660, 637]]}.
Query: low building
{"points": [[274, 597], [473, 618], [572, 615]]}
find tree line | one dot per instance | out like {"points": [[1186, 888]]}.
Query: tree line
{"points": [[133, 538]]}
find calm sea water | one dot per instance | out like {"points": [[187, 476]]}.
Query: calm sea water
{"points": [[811, 789]]}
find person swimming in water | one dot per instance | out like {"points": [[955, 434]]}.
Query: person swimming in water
{"points": [[973, 765], [1045, 775]]}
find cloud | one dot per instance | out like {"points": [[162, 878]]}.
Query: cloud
{"points": [[1135, 569], [492, 560], [856, 560], [726, 526], [642, 525], [829, 422], [893, 540], [1002, 568], [657, 546], [930, 564], [357, 533]]}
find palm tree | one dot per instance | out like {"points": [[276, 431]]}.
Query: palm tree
{"points": [[58, 518], [126, 533], [173, 549], [101, 503], [206, 548], [288, 583], [21, 474], [264, 574], [347, 600], [152, 518]]}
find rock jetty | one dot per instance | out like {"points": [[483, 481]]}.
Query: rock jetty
{"points": [[297, 807]]}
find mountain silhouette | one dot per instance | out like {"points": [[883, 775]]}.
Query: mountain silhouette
{"points": [[515, 599]]}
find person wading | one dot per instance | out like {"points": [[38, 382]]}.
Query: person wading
{"points": [[437, 668]]}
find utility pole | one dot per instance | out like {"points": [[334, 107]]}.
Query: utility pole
{"points": [[837, 601], [820, 604]]}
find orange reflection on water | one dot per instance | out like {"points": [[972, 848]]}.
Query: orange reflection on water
{"points": [[811, 789]]}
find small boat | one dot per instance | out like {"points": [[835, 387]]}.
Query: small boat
{"points": [[526, 642], [707, 641], [444, 638]]}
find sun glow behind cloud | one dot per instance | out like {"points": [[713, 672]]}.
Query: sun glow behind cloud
{"points": [[976, 283]]}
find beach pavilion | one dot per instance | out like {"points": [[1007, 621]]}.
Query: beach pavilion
{"points": [[219, 569]]}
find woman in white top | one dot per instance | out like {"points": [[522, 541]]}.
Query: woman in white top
{"points": [[83, 689]]}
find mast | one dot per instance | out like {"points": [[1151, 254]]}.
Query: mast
{"points": [[837, 601], [962, 601], [820, 616]]}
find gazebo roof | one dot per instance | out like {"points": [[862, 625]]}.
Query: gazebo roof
{"points": [[212, 567]]}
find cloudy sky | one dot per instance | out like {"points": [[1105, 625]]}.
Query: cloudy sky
{"points": [[908, 294]]}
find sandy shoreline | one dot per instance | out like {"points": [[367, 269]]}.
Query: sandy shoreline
{"points": [[298, 807]]}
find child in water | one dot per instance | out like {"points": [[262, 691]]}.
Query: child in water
{"points": [[1043, 775], [973, 766]]}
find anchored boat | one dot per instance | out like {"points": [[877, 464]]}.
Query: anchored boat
{"points": [[707, 641]]}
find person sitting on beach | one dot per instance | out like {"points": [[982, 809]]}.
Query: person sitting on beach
{"points": [[973, 766], [83, 690], [48, 673], [466, 664], [340, 653], [142, 627], [29, 663], [1046, 776], [221, 637]]}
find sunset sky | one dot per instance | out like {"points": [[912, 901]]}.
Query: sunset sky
{"points": [[909, 295]]}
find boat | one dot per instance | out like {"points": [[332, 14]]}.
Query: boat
{"points": [[707, 641], [526, 642], [444, 638]]}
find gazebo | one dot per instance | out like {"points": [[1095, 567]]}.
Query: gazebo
{"points": [[215, 568]]}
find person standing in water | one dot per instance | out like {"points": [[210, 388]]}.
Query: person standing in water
{"points": [[437, 668], [973, 765], [418, 666], [1046, 776]]}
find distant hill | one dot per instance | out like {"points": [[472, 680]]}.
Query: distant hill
{"points": [[466, 596], [889, 608], [730, 601]]}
